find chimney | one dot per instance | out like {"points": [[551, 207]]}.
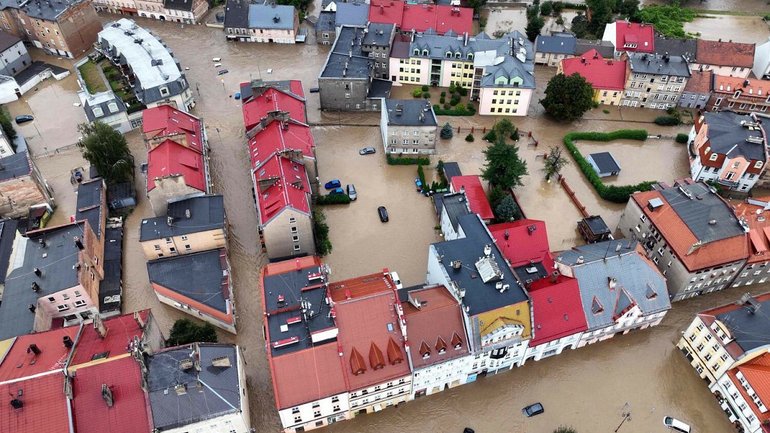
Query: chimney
{"points": [[67, 342], [99, 327], [107, 395], [35, 286], [33, 349], [38, 272], [79, 243], [32, 307], [16, 403], [506, 235], [579, 260], [41, 241], [170, 221], [457, 265], [554, 276]]}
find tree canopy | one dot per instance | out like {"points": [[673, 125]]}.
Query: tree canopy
{"points": [[568, 97], [507, 209], [554, 162], [185, 331], [106, 149], [667, 19], [504, 167], [534, 26]]}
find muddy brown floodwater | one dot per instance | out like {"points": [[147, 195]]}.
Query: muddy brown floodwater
{"points": [[586, 388]]}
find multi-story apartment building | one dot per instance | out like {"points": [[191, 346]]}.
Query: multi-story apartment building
{"points": [[377, 43], [739, 94], [743, 394], [697, 91], [14, 57], [438, 342], [719, 338], [191, 225], [179, 11], [754, 213], [727, 148], [258, 22], [551, 49], [147, 64], [408, 126], [690, 233], [727, 58], [654, 81], [630, 37], [325, 29], [621, 290], [22, 186], [496, 306], [607, 76]]}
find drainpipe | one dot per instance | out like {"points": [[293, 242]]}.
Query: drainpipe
{"points": [[70, 420]]}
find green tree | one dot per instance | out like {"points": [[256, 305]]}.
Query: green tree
{"points": [[534, 26], [565, 429], [568, 97], [554, 162], [7, 125], [601, 14], [106, 149], [185, 331], [507, 210], [495, 196], [580, 26], [629, 9], [446, 131], [504, 128], [476, 5], [323, 246], [504, 167], [667, 19], [546, 8]]}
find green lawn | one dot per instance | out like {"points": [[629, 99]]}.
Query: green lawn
{"points": [[94, 82]]}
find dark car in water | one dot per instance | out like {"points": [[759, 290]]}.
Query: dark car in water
{"points": [[533, 409], [24, 118], [383, 214], [332, 184]]}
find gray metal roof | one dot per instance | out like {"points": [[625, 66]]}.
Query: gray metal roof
{"points": [[42, 9], [271, 16], [56, 259], [676, 47], [89, 204], [237, 14], [352, 14], [727, 136], [410, 112], [347, 57], [197, 276], [750, 330], [479, 296], [103, 101], [636, 281], [698, 207], [378, 34], [325, 21], [180, 397], [605, 162], [8, 40], [15, 165], [451, 169], [658, 65], [111, 288], [605, 48], [557, 43], [510, 69], [180, 5], [379, 88], [206, 212], [456, 205]]}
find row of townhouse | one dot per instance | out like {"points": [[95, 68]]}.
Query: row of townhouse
{"points": [[179, 11], [257, 22], [116, 375], [283, 166], [728, 348]]}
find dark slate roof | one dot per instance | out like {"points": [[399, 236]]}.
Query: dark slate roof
{"points": [[456, 205], [451, 169], [347, 55], [699, 206], [7, 236], [48, 10], [325, 22], [597, 225], [207, 212], [637, 281], [352, 14], [605, 48], [15, 165], [379, 88], [197, 276], [676, 47], [294, 286], [400, 48], [89, 204], [111, 287], [557, 43], [605, 162], [410, 112], [205, 394], [750, 330], [103, 102], [237, 14], [179, 5], [479, 296], [35, 69], [7, 40], [378, 34], [58, 273], [657, 65], [727, 136]]}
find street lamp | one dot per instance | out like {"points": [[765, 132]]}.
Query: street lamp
{"points": [[626, 416]]}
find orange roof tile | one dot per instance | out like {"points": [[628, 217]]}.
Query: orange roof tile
{"points": [[307, 375], [757, 374], [725, 53], [759, 229]]}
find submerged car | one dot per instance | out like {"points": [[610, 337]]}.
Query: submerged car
{"points": [[222, 72], [383, 214], [334, 183], [367, 151], [352, 192], [337, 191], [533, 409], [24, 118], [674, 424]]}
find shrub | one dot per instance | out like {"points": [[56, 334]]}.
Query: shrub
{"points": [[490, 136], [443, 94], [462, 91], [452, 88], [421, 176], [185, 331], [606, 111], [613, 193], [323, 245], [546, 8], [442, 100], [332, 199], [408, 160], [460, 110], [425, 88], [469, 138], [682, 138], [417, 93], [454, 101], [515, 134], [446, 131], [7, 125], [667, 121], [426, 95]]}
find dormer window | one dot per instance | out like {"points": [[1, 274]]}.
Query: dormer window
{"points": [[758, 164], [425, 53], [596, 306], [448, 54], [458, 55], [737, 94], [416, 52], [470, 56], [424, 351], [713, 157]]}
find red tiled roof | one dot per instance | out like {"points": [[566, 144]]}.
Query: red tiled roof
{"points": [[557, 309], [441, 18], [757, 374], [285, 185], [307, 375], [759, 230], [748, 87], [277, 137], [170, 159], [438, 320], [165, 120], [643, 35], [521, 245], [45, 405], [386, 11], [120, 331], [601, 73], [724, 53], [129, 411], [681, 239], [274, 99], [474, 192], [366, 316], [699, 82]]}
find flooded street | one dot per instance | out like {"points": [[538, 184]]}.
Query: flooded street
{"points": [[727, 27], [586, 388]]}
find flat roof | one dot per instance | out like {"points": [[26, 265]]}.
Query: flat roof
{"points": [[410, 112], [347, 58], [190, 215]]}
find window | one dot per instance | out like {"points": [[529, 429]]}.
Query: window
{"points": [[164, 91], [63, 307], [758, 164], [80, 303], [77, 294], [184, 237], [297, 247], [713, 157]]}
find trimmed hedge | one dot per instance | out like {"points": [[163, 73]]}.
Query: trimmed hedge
{"points": [[667, 121], [613, 193], [682, 138], [459, 110], [332, 199], [406, 160]]}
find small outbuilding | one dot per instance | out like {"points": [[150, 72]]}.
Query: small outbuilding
{"points": [[604, 164], [594, 229]]}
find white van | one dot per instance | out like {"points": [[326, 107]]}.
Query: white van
{"points": [[675, 424], [216, 59], [217, 65]]}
